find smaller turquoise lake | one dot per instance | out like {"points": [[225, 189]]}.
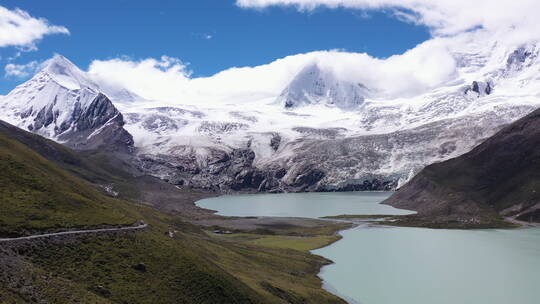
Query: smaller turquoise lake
{"points": [[311, 205]]}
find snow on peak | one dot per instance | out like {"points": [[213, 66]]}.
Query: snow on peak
{"points": [[314, 85], [68, 75], [59, 100]]}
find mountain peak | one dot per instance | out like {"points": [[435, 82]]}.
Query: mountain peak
{"points": [[312, 69], [62, 102], [315, 85], [59, 60], [67, 74]]}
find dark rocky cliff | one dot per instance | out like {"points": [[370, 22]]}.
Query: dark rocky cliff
{"points": [[500, 177], [100, 125]]}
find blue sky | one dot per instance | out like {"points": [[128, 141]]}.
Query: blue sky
{"points": [[209, 35]]}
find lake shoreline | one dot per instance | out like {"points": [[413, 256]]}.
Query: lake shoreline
{"points": [[422, 222], [243, 227], [238, 224]]}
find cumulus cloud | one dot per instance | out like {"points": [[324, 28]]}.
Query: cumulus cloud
{"points": [[443, 17], [150, 78], [22, 70], [411, 73], [168, 79], [18, 28]]}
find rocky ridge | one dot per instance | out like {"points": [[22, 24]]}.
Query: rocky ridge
{"points": [[62, 103]]}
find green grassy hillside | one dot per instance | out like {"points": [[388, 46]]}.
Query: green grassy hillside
{"points": [[46, 187], [89, 165], [37, 195], [107, 169], [142, 267], [190, 268]]}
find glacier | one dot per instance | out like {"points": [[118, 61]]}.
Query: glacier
{"points": [[322, 132]]}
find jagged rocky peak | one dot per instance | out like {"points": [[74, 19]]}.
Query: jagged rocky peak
{"points": [[62, 103], [315, 85]]}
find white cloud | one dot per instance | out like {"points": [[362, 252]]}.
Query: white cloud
{"points": [[444, 17], [459, 27], [149, 78], [18, 28], [22, 70], [417, 70], [168, 79]]}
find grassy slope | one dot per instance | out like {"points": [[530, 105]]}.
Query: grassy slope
{"points": [[116, 170], [290, 275], [101, 269], [297, 238], [192, 267], [89, 165], [45, 194], [37, 195], [173, 271], [297, 243]]}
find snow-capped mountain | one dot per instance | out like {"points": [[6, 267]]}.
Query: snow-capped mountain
{"points": [[316, 86], [320, 142], [322, 134], [62, 103]]}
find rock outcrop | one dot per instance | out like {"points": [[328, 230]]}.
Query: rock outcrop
{"points": [[498, 178]]}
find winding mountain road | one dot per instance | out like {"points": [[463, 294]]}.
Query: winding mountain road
{"points": [[47, 235]]}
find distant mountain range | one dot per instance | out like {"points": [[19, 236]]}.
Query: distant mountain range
{"points": [[322, 133]]}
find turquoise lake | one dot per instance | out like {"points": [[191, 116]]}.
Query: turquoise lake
{"points": [[401, 265], [312, 205], [414, 265]]}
